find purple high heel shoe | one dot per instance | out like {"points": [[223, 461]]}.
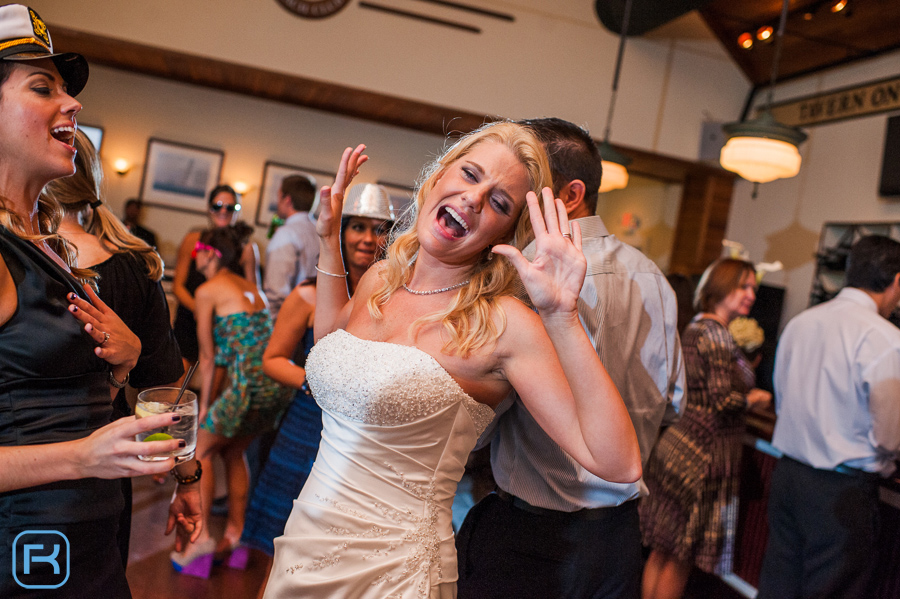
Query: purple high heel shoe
{"points": [[235, 557], [197, 561], [239, 557]]}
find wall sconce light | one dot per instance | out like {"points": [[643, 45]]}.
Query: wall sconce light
{"points": [[121, 166], [745, 41], [240, 187], [764, 33]]}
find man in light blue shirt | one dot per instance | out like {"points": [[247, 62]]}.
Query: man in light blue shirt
{"points": [[553, 529], [837, 395], [293, 251]]}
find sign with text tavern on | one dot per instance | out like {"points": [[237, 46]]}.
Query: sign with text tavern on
{"points": [[846, 103]]}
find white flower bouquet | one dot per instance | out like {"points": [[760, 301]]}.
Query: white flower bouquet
{"points": [[747, 333]]}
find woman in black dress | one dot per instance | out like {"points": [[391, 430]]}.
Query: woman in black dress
{"points": [[129, 273], [63, 352], [223, 209]]}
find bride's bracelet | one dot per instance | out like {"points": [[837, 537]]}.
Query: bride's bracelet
{"points": [[331, 274]]}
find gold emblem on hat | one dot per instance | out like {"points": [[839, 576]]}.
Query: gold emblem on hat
{"points": [[40, 29]]}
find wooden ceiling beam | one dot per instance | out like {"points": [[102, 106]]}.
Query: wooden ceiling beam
{"points": [[269, 85]]}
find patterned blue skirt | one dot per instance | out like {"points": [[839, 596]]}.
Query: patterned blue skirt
{"points": [[287, 468]]}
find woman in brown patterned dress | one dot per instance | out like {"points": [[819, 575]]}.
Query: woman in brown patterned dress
{"points": [[693, 473]]}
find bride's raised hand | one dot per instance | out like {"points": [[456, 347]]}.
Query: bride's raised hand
{"points": [[331, 197], [555, 276]]}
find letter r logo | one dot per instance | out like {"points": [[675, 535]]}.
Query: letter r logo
{"points": [[50, 559], [40, 559]]}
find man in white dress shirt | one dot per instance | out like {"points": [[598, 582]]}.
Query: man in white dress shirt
{"points": [[837, 395], [292, 253], [552, 529]]}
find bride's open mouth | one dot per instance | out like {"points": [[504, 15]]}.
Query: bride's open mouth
{"points": [[452, 221]]}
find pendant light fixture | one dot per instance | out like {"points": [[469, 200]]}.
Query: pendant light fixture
{"points": [[762, 149], [615, 175]]}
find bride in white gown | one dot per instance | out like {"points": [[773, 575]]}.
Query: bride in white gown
{"points": [[408, 371]]}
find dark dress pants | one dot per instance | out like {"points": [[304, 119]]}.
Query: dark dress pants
{"points": [[823, 534], [505, 551]]}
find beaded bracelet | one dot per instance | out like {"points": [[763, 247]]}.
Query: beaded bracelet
{"points": [[331, 274], [188, 480], [111, 379]]}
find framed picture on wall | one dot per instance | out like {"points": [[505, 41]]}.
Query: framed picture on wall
{"points": [[273, 174], [401, 197], [95, 134], [180, 176]]}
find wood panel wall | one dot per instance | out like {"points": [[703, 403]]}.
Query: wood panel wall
{"points": [[702, 220]]}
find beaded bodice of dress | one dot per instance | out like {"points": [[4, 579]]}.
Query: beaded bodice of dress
{"points": [[375, 513], [400, 383]]}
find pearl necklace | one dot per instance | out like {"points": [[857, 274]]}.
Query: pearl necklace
{"points": [[433, 291]]}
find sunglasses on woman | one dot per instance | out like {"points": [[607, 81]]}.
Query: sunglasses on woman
{"points": [[230, 208], [202, 247]]}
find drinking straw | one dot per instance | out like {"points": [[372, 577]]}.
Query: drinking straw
{"points": [[187, 379]]}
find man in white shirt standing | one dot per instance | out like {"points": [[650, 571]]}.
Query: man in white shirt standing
{"points": [[552, 529], [837, 395], [293, 251]]}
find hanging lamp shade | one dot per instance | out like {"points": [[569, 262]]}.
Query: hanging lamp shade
{"points": [[762, 149], [615, 176]]}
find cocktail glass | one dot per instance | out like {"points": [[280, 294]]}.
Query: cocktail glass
{"points": [[161, 400]]}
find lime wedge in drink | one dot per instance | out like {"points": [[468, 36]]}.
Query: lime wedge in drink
{"points": [[159, 437]]}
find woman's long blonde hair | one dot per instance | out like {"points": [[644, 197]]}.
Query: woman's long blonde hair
{"points": [[85, 188], [469, 318]]}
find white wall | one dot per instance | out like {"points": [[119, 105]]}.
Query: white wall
{"points": [[132, 108], [554, 59], [838, 181]]}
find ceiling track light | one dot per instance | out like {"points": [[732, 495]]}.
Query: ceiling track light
{"points": [[762, 149], [745, 40], [838, 5], [764, 33]]}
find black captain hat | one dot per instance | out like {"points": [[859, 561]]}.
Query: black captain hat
{"points": [[24, 36]]}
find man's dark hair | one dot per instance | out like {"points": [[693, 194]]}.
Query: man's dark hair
{"points": [[572, 153], [301, 190], [132, 202], [873, 263]]}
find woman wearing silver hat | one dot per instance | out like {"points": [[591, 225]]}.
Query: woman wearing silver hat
{"points": [[63, 353], [409, 370], [366, 219]]}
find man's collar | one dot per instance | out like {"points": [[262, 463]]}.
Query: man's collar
{"points": [[860, 297], [592, 226], [296, 217]]}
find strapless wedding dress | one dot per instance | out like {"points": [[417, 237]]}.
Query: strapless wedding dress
{"points": [[374, 518]]}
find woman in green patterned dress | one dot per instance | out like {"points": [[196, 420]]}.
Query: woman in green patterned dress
{"points": [[233, 329]]}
